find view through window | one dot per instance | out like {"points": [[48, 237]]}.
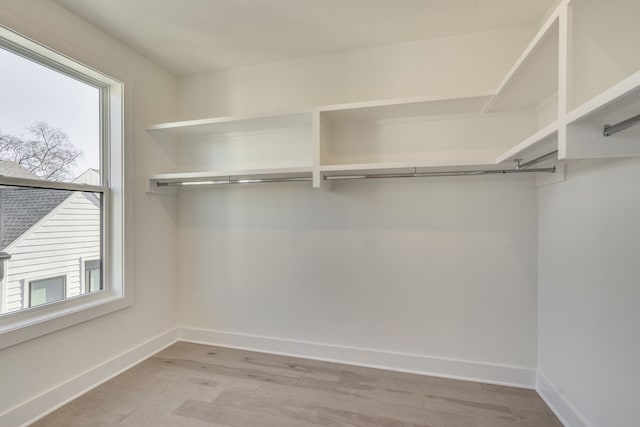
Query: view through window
{"points": [[51, 232]]}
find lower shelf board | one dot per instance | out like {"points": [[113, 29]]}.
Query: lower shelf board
{"points": [[167, 183], [542, 142]]}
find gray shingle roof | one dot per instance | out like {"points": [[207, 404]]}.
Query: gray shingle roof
{"points": [[22, 208], [14, 170]]}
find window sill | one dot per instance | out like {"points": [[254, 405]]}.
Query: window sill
{"points": [[25, 325]]}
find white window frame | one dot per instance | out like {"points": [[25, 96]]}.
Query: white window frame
{"points": [[4, 283], [20, 326]]}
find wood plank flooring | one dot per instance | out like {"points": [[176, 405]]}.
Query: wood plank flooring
{"points": [[197, 385]]}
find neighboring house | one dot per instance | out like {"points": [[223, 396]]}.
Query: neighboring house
{"points": [[90, 177], [53, 240], [14, 170]]}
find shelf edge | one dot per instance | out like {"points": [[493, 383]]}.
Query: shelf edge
{"points": [[225, 173], [531, 141], [402, 165], [223, 119], [603, 99], [533, 44], [400, 101]]}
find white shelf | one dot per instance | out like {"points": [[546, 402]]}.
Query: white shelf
{"points": [[220, 175], [405, 108], [226, 125], [586, 123], [253, 173], [430, 141], [542, 142], [619, 99], [604, 46], [472, 131], [533, 79], [404, 166], [250, 146]]}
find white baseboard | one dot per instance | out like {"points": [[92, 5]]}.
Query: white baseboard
{"points": [[567, 414], [48, 401], [401, 362]]}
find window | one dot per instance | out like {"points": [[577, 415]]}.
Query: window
{"points": [[50, 132], [44, 291], [62, 204], [92, 276]]}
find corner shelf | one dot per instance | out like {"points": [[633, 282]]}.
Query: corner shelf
{"points": [[538, 63]]}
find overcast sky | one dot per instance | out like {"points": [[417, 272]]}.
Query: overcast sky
{"points": [[30, 93]]}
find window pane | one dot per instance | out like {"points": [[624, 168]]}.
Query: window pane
{"points": [[93, 276], [49, 123], [48, 234], [46, 290]]}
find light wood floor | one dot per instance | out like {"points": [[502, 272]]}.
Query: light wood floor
{"points": [[197, 385]]}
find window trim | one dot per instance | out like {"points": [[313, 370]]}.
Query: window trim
{"points": [[17, 327]]}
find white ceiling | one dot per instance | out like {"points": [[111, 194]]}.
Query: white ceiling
{"points": [[195, 36]]}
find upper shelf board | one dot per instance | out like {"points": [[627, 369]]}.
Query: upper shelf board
{"points": [[222, 125], [405, 108], [534, 77]]}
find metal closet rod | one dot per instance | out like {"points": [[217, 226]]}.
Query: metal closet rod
{"points": [[363, 176], [537, 160], [611, 129], [436, 174]]}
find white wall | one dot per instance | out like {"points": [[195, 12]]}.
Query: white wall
{"points": [[604, 35], [589, 290], [435, 68], [442, 268], [36, 366]]}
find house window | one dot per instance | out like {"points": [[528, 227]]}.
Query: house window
{"points": [[92, 276], [45, 291], [61, 191], [51, 149]]}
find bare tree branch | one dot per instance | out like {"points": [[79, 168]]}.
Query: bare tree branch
{"points": [[48, 154]]}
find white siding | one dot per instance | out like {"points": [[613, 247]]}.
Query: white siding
{"points": [[55, 247], [90, 177]]}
